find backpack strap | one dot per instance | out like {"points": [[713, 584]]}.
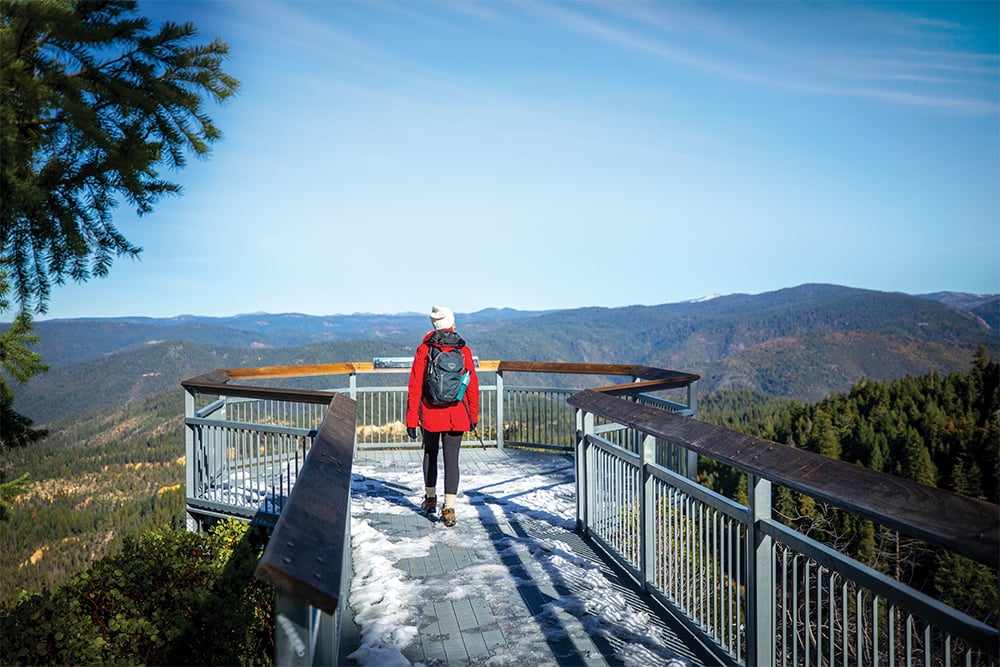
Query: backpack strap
{"points": [[446, 338]]}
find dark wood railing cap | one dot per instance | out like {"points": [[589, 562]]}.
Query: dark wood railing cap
{"points": [[217, 381], [304, 558], [966, 525]]}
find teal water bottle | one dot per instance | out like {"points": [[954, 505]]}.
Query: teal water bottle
{"points": [[464, 386]]}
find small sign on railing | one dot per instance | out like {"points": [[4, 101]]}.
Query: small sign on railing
{"points": [[403, 362], [392, 362]]}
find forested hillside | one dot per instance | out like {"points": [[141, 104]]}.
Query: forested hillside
{"points": [[984, 306], [810, 367], [94, 481], [121, 379], [940, 430]]}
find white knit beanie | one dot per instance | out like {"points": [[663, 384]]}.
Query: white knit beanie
{"points": [[442, 317]]}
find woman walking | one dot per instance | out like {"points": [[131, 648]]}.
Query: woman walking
{"points": [[443, 419]]}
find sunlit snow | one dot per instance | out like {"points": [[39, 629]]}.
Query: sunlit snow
{"points": [[386, 601]]}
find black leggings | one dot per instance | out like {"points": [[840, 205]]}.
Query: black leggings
{"points": [[452, 442]]}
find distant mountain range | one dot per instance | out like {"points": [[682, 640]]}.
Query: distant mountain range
{"points": [[70, 341], [802, 342]]}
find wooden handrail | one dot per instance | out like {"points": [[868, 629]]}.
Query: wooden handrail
{"points": [[209, 384], [630, 370], [963, 524], [302, 558], [651, 378], [218, 381]]}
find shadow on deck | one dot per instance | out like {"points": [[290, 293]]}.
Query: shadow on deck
{"points": [[511, 584]]}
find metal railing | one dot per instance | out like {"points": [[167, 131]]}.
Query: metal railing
{"points": [[245, 444], [311, 575], [244, 454], [758, 591]]}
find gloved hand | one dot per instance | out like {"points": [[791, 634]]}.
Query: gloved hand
{"points": [[473, 427], [412, 432]]}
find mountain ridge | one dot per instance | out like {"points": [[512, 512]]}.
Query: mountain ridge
{"points": [[802, 342]]}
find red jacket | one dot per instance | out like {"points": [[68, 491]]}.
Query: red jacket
{"points": [[458, 417]]}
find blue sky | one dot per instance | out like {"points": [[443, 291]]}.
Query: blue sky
{"points": [[387, 156]]}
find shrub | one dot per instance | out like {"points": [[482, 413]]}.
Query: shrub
{"points": [[168, 597]]}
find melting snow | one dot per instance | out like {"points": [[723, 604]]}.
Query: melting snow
{"points": [[386, 601]]}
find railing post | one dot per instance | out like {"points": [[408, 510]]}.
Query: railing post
{"points": [[291, 636], [691, 464], [189, 481], [499, 414], [584, 429], [352, 384], [692, 391], [647, 513], [760, 576], [304, 636]]}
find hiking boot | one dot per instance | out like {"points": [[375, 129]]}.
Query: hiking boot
{"points": [[429, 505], [448, 516]]}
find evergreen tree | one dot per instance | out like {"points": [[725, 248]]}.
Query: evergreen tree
{"points": [[914, 460], [94, 103], [822, 437], [865, 549], [20, 364], [8, 492]]}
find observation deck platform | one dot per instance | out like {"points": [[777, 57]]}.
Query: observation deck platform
{"points": [[515, 583], [511, 584]]}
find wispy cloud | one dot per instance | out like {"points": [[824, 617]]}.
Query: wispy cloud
{"points": [[896, 54]]}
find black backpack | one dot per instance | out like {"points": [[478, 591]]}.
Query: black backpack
{"points": [[445, 379]]}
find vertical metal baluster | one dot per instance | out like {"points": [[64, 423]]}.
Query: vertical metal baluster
{"points": [[909, 640], [832, 613], [807, 609], [714, 584], [844, 620], [625, 509], [892, 634], [875, 629], [783, 606], [796, 626], [613, 502], [729, 608], [672, 543], [740, 598], [628, 509], [601, 484], [703, 565], [246, 457], [689, 566], [819, 615], [859, 624]]}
